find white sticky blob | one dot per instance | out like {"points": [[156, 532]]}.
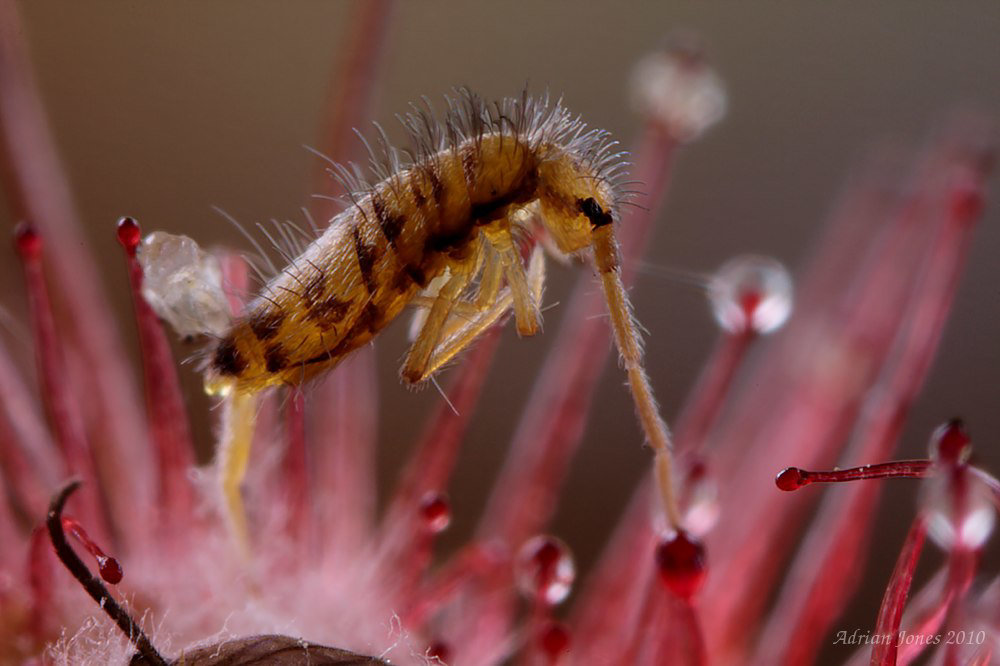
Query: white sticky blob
{"points": [[183, 285], [751, 293], [676, 88]]}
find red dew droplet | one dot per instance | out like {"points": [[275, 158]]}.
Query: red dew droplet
{"points": [[435, 511], [790, 479], [110, 569], [554, 640], [951, 442], [27, 241], [129, 234], [681, 561], [439, 650]]}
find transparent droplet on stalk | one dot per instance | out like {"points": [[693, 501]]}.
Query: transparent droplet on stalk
{"points": [[701, 500], [677, 89], [183, 285], [751, 293], [958, 508], [545, 570]]}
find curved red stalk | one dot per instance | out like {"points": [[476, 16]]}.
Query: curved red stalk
{"points": [[37, 190], [890, 614], [62, 408], [168, 420]]}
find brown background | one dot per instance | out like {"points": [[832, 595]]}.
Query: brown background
{"points": [[163, 110]]}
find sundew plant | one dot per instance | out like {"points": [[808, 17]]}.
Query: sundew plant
{"points": [[748, 529]]}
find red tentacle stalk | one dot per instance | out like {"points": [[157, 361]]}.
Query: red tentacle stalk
{"points": [[890, 614], [63, 410], [168, 420], [110, 569], [794, 478]]}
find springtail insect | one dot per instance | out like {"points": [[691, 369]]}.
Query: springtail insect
{"points": [[441, 228]]}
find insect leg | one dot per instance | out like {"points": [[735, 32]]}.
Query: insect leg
{"points": [[466, 334], [525, 307], [414, 368], [234, 453]]}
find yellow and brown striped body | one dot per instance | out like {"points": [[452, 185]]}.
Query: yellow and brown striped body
{"points": [[372, 260]]}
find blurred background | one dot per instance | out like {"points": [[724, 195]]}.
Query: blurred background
{"points": [[162, 111]]}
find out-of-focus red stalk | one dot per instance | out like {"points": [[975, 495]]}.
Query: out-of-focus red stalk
{"points": [[168, 420], [818, 379], [433, 459], [823, 576], [345, 460], [63, 410], [351, 91], [28, 459], [343, 448], [295, 467], [38, 191]]}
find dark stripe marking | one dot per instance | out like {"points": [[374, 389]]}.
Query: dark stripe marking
{"points": [[265, 323], [367, 255], [227, 359]]}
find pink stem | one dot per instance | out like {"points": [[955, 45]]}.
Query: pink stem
{"points": [[167, 415], [38, 191]]}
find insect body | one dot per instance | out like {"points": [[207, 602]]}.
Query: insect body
{"points": [[450, 213], [442, 230]]}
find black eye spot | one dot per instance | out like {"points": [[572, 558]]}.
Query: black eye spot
{"points": [[597, 216]]}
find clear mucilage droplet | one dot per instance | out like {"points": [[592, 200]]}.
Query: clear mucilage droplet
{"points": [[183, 285], [677, 89], [959, 509], [545, 570], [751, 294]]}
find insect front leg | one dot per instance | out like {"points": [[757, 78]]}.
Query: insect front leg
{"points": [[525, 306], [415, 366]]}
